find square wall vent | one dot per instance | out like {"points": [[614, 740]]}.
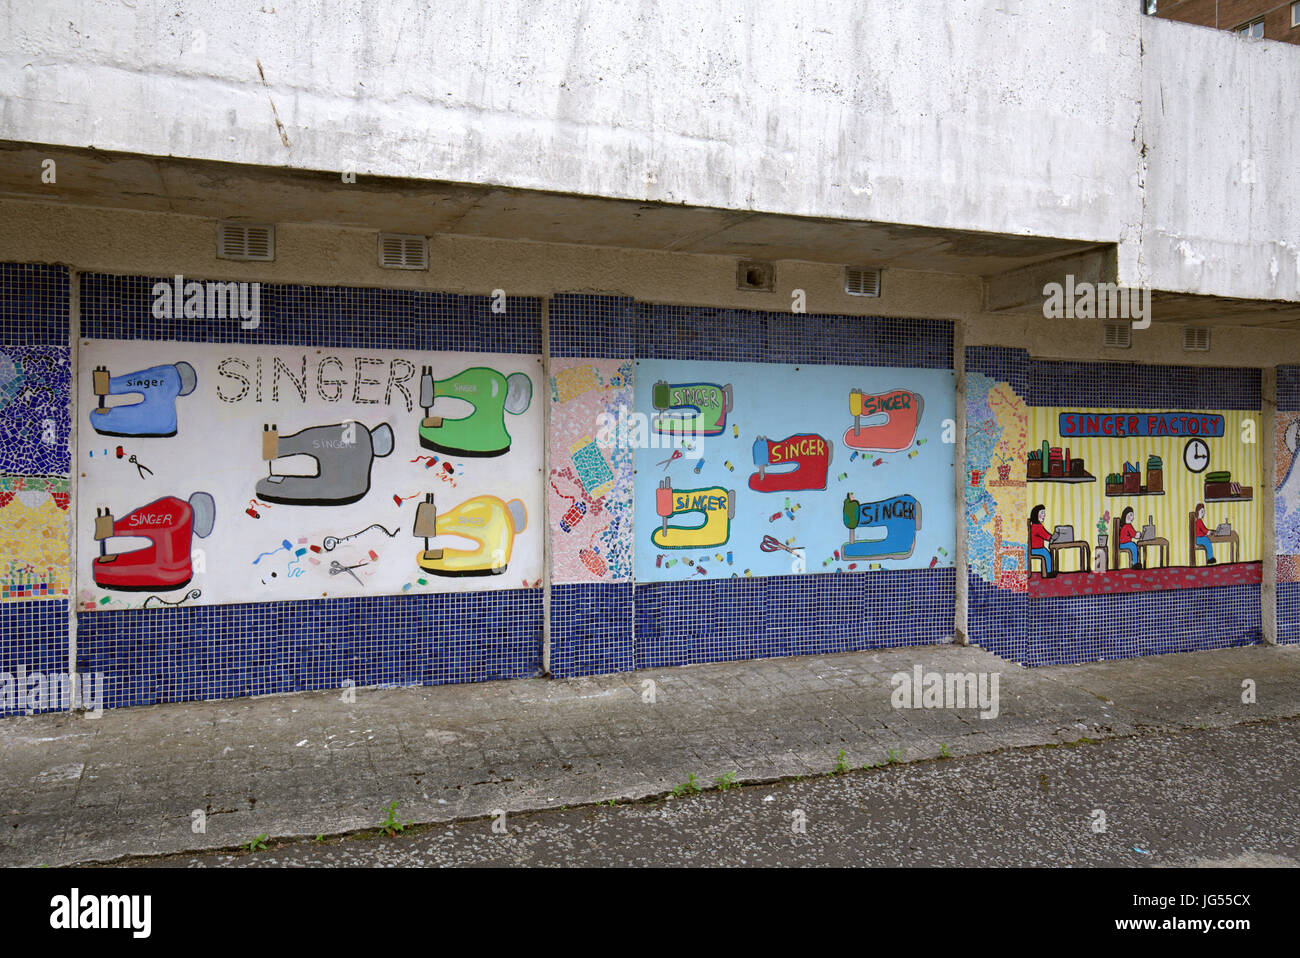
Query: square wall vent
{"points": [[246, 241], [403, 251], [755, 276], [1117, 335], [1196, 339], [862, 281]]}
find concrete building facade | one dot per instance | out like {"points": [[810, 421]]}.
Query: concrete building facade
{"points": [[611, 199]]}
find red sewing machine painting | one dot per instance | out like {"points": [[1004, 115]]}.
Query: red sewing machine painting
{"points": [[170, 525], [883, 422], [796, 462]]}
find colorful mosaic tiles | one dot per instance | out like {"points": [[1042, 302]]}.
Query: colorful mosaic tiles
{"points": [[33, 537]]}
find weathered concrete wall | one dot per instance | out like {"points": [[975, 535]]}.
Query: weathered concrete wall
{"points": [[1004, 115], [1014, 116], [1222, 132]]}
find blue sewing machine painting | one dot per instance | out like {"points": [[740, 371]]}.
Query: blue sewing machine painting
{"points": [[822, 469], [154, 415], [896, 520]]}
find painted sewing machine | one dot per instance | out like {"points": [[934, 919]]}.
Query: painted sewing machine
{"points": [[884, 422], [154, 416], [715, 505], [482, 432], [796, 462], [343, 452], [169, 524], [898, 516], [699, 408], [487, 520]]}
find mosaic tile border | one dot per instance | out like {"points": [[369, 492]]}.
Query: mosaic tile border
{"points": [[595, 326], [591, 629], [1288, 388], [208, 652], [996, 619], [1288, 613], [1006, 364], [1124, 385], [33, 638], [34, 305], [1089, 629], [683, 623], [119, 307]]}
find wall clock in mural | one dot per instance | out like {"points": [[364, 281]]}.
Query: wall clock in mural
{"points": [[1196, 455]]}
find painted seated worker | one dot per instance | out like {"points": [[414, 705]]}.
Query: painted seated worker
{"points": [[1038, 539], [1128, 538], [1203, 535]]}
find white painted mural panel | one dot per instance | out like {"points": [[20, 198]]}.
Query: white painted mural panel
{"points": [[216, 473]]}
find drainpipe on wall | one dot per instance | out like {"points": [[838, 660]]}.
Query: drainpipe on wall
{"points": [[546, 499], [960, 611], [1268, 480]]}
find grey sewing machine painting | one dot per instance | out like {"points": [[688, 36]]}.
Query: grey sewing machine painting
{"points": [[154, 415], [344, 453]]}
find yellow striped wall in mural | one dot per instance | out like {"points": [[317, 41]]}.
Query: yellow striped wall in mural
{"points": [[1083, 504]]}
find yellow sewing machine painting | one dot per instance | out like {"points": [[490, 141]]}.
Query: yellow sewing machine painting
{"points": [[217, 473], [748, 469]]}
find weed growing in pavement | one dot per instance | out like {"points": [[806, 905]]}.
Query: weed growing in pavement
{"points": [[841, 766], [390, 826], [688, 787], [255, 844], [726, 780]]}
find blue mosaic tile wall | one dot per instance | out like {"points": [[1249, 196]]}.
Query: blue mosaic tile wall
{"points": [[591, 628], [680, 623], [119, 307], [1141, 623], [602, 627], [620, 328], [35, 378], [1131, 385], [1006, 364], [200, 652], [209, 652], [1288, 388], [997, 619], [1288, 613], [1288, 593], [33, 638]]}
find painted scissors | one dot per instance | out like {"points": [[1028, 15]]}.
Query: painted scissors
{"points": [[770, 544], [336, 567], [140, 467]]}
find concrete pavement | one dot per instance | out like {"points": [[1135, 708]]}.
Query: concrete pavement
{"points": [[1219, 797], [130, 782]]}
